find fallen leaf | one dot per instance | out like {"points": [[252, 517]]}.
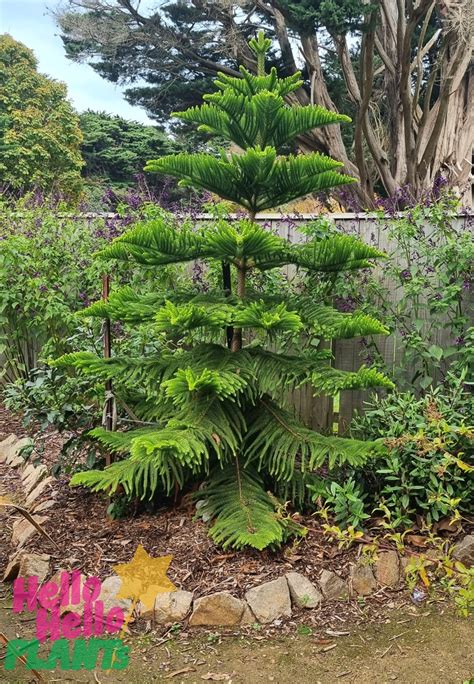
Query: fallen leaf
{"points": [[424, 577], [415, 539]]}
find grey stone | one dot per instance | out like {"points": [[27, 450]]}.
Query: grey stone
{"points": [[16, 461], [77, 608], [303, 592], [110, 588], [12, 569], [6, 446], [12, 449], [34, 565], [28, 565], [23, 530], [27, 471], [34, 478], [332, 586], [108, 595], [217, 609], [170, 606], [38, 491], [387, 569], [43, 506], [248, 618], [363, 580], [464, 551], [270, 601]]}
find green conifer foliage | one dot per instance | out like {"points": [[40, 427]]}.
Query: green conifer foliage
{"points": [[214, 414]]}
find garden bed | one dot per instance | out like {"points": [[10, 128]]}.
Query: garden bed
{"points": [[87, 540]]}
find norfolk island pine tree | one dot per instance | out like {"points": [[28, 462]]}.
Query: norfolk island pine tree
{"points": [[215, 415]]}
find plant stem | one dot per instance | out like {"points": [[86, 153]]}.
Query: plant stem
{"points": [[237, 336], [241, 273]]}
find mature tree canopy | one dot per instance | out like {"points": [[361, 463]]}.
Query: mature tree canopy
{"points": [[116, 149], [39, 131], [403, 70]]}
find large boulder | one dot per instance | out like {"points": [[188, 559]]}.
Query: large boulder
{"points": [[303, 592], [219, 609], [270, 601]]}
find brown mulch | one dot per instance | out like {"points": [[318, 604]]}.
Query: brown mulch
{"points": [[92, 543]]}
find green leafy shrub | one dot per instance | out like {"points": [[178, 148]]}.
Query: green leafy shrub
{"points": [[206, 411], [52, 396], [47, 276], [430, 461], [345, 501]]}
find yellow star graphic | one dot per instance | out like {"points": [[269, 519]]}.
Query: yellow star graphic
{"points": [[144, 577]]}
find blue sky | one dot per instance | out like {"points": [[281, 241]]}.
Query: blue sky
{"points": [[29, 22]]}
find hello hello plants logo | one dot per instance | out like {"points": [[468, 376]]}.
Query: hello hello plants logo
{"points": [[82, 640]]}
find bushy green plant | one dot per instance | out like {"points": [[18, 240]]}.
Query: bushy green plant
{"points": [[430, 461], [52, 396], [47, 276], [345, 501], [211, 412]]}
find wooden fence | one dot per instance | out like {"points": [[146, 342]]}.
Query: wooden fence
{"points": [[322, 413]]}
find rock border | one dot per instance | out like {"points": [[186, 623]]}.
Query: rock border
{"points": [[34, 485]]}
